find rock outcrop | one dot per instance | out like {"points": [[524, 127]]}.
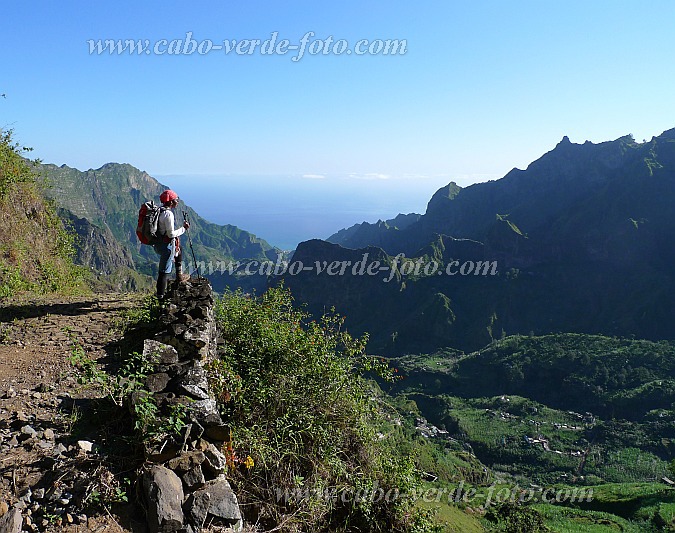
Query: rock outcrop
{"points": [[186, 482]]}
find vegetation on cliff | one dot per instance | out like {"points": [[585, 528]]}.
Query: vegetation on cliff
{"points": [[35, 249]]}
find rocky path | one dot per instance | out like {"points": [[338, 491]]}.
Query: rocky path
{"points": [[36, 335], [41, 461]]}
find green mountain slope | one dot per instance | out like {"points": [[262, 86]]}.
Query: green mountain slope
{"points": [[110, 264], [615, 378], [586, 418], [110, 197], [552, 195], [570, 409]]}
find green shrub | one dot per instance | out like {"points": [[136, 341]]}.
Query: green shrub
{"points": [[511, 518], [13, 168], [295, 396]]}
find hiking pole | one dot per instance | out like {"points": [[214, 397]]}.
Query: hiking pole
{"points": [[185, 219]]}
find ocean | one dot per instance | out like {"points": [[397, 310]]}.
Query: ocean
{"points": [[288, 210]]}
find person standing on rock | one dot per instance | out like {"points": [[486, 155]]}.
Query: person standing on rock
{"points": [[169, 249]]}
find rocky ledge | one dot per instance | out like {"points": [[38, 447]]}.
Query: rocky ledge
{"points": [[184, 481]]}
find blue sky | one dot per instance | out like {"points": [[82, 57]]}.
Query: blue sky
{"points": [[483, 87]]}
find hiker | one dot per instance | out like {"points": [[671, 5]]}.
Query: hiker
{"points": [[169, 249]]}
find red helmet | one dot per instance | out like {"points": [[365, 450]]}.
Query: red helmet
{"points": [[167, 196]]}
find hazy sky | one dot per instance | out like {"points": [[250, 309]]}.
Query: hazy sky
{"points": [[483, 86]]}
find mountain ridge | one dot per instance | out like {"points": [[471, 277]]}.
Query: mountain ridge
{"points": [[581, 237], [459, 211], [109, 198]]}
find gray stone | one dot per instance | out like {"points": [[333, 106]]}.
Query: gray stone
{"points": [[20, 417], [187, 461], [60, 449], [206, 293], [196, 337], [194, 478], [194, 391], [164, 353], [49, 434], [164, 497], [199, 324], [157, 382], [222, 502], [85, 445], [12, 522], [176, 369], [29, 431], [205, 412], [215, 460], [197, 508], [177, 329], [54, 493], [196, 375], [196, 430]]}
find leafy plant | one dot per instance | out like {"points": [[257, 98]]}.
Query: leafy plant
{"points": [[118, 387], [13, 168], [511, 518], [145, 412], [128, 384], [299, 407], [151, 424]]}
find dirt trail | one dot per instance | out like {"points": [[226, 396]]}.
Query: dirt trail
{"points": [[36, 335], [37, 391], [55, 452]]}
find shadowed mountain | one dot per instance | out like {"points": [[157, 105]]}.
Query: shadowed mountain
{"points": [[366, 234], [582, 238]]}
